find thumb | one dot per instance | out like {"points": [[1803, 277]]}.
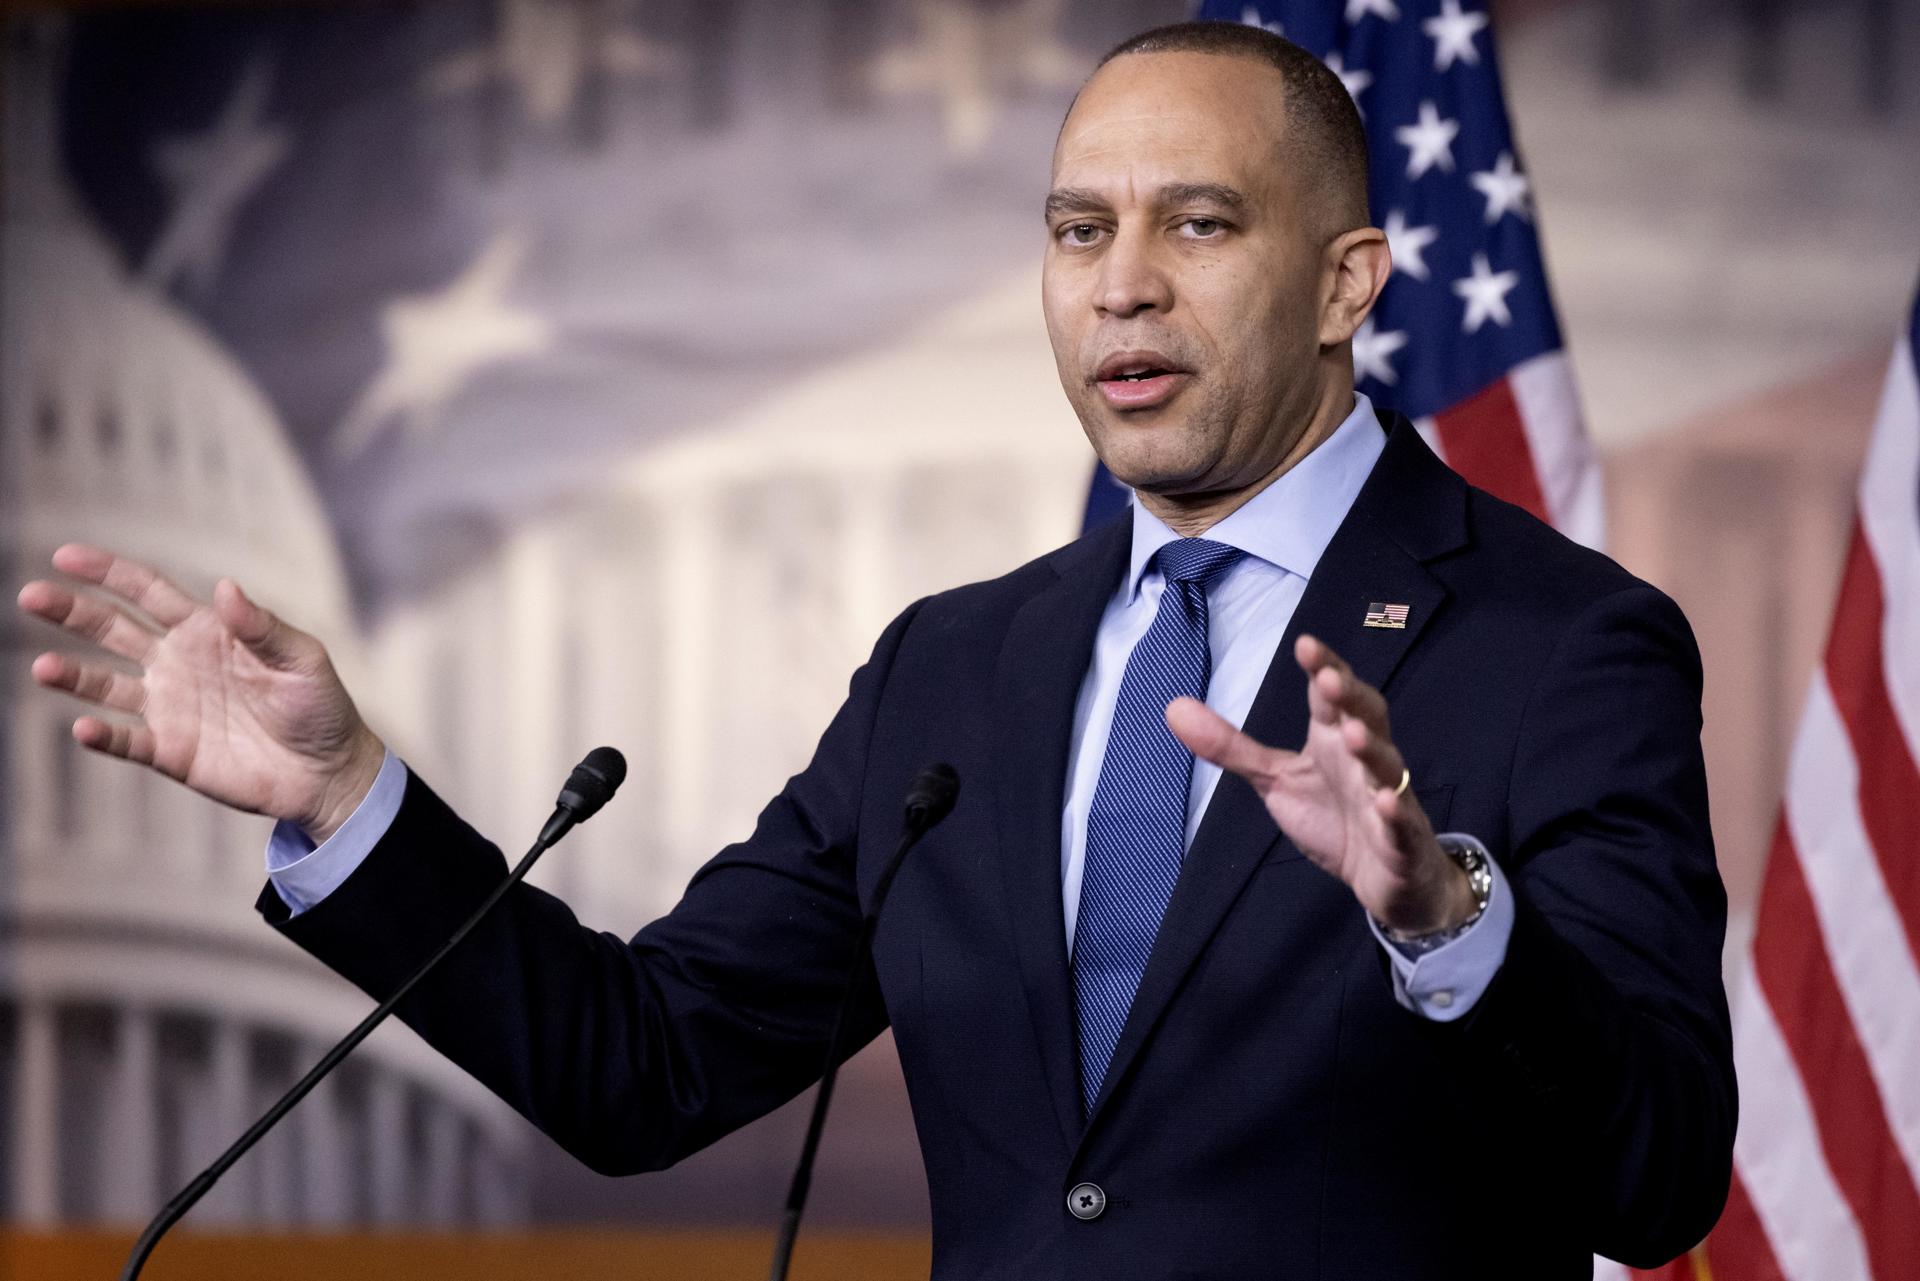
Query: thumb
{"points": [[260, 630]]}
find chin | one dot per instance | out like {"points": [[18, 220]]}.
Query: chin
{"points": [[1156, 476], [1148, 463]]}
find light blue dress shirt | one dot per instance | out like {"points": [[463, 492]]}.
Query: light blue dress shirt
{"points": [[1283, 529]]}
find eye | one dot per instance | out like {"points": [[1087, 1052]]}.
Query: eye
{"points": [[1203, 228], [1078, 234]]}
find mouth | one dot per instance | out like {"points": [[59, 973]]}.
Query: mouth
{"points": [[1131, 380]]}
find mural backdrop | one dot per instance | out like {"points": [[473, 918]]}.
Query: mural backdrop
{"points": [[599, 371]]}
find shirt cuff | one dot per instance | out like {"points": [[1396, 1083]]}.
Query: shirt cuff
{"points": [[303, 874], [1444, 984]]}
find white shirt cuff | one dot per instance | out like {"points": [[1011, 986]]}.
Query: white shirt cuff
{"points": [[1444, 984], [303, 874]]}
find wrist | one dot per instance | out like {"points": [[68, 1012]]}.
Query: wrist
{"points": [[1456, 897], [348, 786]]}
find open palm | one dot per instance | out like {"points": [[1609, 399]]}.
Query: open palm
{"points": [[226, 698], [1340, 797]]}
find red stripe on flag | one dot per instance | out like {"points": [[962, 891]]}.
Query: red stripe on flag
{"points": [[1738, 1250], [1790, 962], [1889, 783], [1485, 441]]}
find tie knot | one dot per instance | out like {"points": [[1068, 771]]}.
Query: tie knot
{"points": [[1195, 560]]}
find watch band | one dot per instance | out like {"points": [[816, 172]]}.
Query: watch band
{"points": [[1473, 861]]}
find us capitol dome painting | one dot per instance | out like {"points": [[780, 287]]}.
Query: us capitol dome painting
{"points": [[146, 1014]]}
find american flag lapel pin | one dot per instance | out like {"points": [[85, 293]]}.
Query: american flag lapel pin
{"points": [[1383, 615]]}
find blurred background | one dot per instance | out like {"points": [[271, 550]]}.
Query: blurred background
{"points": [[471, 333]]}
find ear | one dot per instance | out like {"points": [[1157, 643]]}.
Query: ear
{"points": [[1355, 269]]}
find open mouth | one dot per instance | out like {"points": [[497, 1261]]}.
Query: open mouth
{"points": [[1139, 380]]}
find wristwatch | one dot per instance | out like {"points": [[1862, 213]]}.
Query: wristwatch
{"points": [[1473, 861]]}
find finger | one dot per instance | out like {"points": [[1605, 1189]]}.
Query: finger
{"points": [[1351, 696], [83, 560], [99, 621], [274, 642], [134, 581], [148, 588], [1211, 737], [1313, 654], [1375, 752], [128, 742], [1324, 678], [94, 682], [1334, 690]]}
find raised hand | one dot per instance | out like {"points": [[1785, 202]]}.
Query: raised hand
{"points": [[1339, 799], [228, 699]]}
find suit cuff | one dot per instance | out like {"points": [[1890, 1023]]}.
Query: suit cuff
{"points": [[1444, 984], [302, 874]]}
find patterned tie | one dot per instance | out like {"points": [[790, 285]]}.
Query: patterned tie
{"points": [[1136, 828]]}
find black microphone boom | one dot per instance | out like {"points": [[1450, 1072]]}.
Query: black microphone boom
{"points": [[593, 781], [929, 800]]}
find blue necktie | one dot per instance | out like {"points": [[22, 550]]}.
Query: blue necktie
{"points": [[1136, 827]]}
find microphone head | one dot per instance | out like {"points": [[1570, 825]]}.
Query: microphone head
{"points": [[592, 783], [932, 795]]}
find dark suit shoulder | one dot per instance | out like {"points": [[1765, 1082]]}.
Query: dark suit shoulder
{"points": [[1518, 562], [994, 600]]}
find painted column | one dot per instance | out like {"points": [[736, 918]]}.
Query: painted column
{"points": [[35, 1156], [130, 1154], [393, 1180], [321, 1124]]}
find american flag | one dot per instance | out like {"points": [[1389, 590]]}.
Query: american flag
{"points": [[1464, 339], [1827, 1009], [1382, 615]]}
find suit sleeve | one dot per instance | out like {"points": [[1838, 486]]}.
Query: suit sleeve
{"points": [[1605, 1034], [631, 1053]]}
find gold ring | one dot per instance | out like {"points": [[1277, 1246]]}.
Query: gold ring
{"points": [[1406, 776]]}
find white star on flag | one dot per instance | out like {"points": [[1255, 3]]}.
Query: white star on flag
{"points": [[971, 56], [1486, 293], [437, 342], [1358, 9], [546, 49], [1356, 81], [211, 175], [1430, 142], [1505, 188], [1371, 349], [1408, 245], [1250, 17], [1453, 33]]}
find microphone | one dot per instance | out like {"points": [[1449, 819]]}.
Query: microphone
{"points": [[928, 800], [931, 798], [589, 787]]}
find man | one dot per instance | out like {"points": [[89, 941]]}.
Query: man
{"points": [[1156, 1020]]}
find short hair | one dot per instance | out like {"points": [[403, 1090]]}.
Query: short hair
{"points": [[1324, 126]]}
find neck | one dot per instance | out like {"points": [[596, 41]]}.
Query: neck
{"points": [[1191, 515]]}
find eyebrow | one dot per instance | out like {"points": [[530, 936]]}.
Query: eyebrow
{"points": [[1069, 200]]}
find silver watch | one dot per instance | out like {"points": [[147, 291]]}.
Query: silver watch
{"points": [[1473, 861]]}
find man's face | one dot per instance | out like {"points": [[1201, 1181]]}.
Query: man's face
{"points": [[1183, 281]]}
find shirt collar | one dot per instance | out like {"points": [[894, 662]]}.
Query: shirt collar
{"points": [[1291, 521]]}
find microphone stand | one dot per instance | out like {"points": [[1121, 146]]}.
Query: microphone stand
{"points": [[573, 808], [928, 802]]}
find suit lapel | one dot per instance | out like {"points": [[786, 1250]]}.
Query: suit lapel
{"points": [[1042, 663], [1410, 510]]}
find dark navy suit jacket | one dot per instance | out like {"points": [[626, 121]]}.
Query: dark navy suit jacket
{"points": [[1270, 1110]]}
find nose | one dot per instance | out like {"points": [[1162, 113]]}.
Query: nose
{"points": [[1132, 277]]}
